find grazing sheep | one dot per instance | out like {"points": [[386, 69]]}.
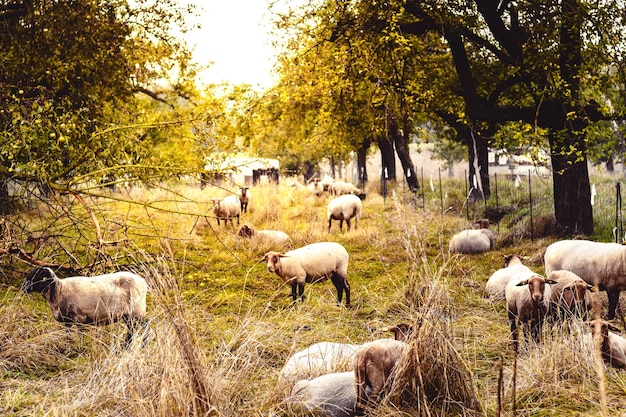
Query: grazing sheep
{"points": [[331, 394], [97, 300], [319, 358], [316, 188], [602, 265], [571, 296], [612, 346], [275, 236], [400, 331], [226, 208], [473, 240], [326, 182], [496, 284], [528, 300], [345, 207], [312, 263], [373, 363], [244, 198], [341, 187]]}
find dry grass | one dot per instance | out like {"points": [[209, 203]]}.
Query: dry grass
{"points": [[221, 326]]}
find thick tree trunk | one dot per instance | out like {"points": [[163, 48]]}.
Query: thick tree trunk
{"points": [[572, 190], [361, 161], [478, 156], [388, 158], [402, 149]]}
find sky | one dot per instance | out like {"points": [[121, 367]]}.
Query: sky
{"points": [[234, 36]]}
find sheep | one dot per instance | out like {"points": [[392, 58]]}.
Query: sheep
{"points": [[97, 300], [602, 265], [277, 237], [326, 182], [527, 299], [331, 394], [473, 240], [312, 263], [244, 198], [341, 187], [373, 363], [345, 207], [496, 284], [319, 358], [571, 296], [329, 356], [612, 346], [316, 188], [226, 208]]}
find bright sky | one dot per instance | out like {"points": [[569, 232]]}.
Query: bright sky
{"points": [[234, 36]]}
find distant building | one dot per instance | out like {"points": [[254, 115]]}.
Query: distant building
{"points": [[243, 170]]}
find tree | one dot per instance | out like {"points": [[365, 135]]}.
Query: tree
{"points": [[69, 72]]}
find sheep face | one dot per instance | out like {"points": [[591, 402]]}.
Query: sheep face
{"points": [[245, 231], [401, 331], [536, 286], [273, 261], [38, 280], [575, 295]]}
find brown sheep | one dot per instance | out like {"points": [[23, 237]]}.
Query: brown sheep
{"points": [[612, 346], [571, 296]]}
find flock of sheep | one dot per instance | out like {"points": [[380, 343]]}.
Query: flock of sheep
{"points": [[573, 269]]}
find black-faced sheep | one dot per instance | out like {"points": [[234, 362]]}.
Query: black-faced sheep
{"points": [[226, 209], [275, 236], [571, 296], [331, 394], [312, 263], [602, 265], [316, 188], [345, 207], [244, 198], [373, 363], [473, 240], [97, 300], [612, 346], [341, 187], [496, 284], [528, 302]]}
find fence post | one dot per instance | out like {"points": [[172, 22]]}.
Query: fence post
{"points": [[530, 204], [440, 191], [495, 175], [423, 191]]}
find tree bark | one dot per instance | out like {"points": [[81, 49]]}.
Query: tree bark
{"points": [[400, 141], [361, 161], [388, 158]]}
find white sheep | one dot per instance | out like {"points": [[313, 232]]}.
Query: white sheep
{"points": [[528, 301], [602, 265], [496, 284], [312, 263], [244, 198], [317, 359], [316, 188], [612, 346], [277, 237], [341, 187], [373, 363], [331, 394], [571, 296], [226, 209], [97, 300], [473, 240], [344, 207], [326, 182]]}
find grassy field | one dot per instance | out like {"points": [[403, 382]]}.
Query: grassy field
{"points": [[221, 326]]}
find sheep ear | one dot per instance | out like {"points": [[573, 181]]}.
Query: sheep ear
{"points": [[551, 281], [613, 328], [522, 283], [591, 288]]}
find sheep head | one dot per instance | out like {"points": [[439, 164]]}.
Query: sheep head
{"points": [[400, 331], [38, 280], [536, 286], [575, 294], [273, 261], [246, 231]]}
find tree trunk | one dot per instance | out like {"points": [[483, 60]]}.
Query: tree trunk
{"points": [[572, 190], [478, 156], [361, 161], [402, 149], [388, 158]]}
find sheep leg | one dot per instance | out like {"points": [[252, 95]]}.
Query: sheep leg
{"points": [[341, 225], [329, 223], [341, 284], [613, 294], [294, 294], [513, 324], [348, 223]]}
